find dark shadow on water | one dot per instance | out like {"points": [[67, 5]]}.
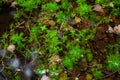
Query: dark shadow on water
{"points": [[6, 18]]}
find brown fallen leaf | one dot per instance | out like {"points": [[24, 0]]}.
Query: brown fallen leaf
{"points": [[117, 29], [77, 19], [49, 22], [98, 8], [69, 28], [110, 29]]}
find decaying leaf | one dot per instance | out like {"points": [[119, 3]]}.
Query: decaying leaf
{"points": [[117, 29], [77, 19], [13, 4], [110, 29], [98, 8], [57, 1], [49, 22], [45, 77]]}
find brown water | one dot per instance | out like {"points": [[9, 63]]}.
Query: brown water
{"points": [[5, 18]]}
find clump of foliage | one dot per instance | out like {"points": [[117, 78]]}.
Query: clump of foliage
{"points": [[83, 7], [29, 5], [97, 74], [113, 62], [52, 41], [54, 71], [26, 6], [73, 55], [18, 40], [85, 35], [34, 33], [50, 7], [61, 17]]}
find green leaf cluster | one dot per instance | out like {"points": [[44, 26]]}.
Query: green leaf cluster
{"points": [[61, 17], [29, 5], [74, 54], [18, 39], [83, 7], [50, 7], [34, 33], [52, 41], [113, 62], [85, 35], [97, 74]]}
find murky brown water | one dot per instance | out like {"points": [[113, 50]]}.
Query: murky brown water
{"points": [[5, 18]]}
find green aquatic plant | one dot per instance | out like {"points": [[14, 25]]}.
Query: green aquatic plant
{"points": [[113, 62]]}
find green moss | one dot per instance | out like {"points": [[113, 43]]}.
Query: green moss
{"points": [[50, 7], [52, 41], [97, 75], [18, 40], [113, 62]]}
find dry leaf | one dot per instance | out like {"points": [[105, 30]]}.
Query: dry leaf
{"points": [[69, 28], [98, 8], [45, 77], [51, 23], [57, 1], [110, 29], [77, 19], [56, 58], [117, 29]]}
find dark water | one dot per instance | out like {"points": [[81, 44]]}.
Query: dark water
{"points": [[6, 18]]}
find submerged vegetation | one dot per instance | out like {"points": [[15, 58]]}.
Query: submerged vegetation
{"points": [[61, 40]]}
